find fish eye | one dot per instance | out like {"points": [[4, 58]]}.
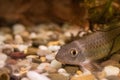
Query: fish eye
{"points": [[73, 52]]}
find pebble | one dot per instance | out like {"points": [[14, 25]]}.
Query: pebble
{"points": [[3, 57], [8, 37], [116, 57], [113, 78], [50, 57], [50, 69], [43, 52], [2, 64], [43, 59], [42, 66], [111, 70], [111, 62], [57, 76], [42, 47], [17, 55], [25, 34], [33, 35], [25, 78], [67, 34], [31, 51], [2, 38], [32, 56], [83, 77], [53, 48], [18, 28], [7, 50], [51, 43], [63, 72], [22, 47], [71, 69], [32, 75], [11, 61], [55, 64], [18, 39]]}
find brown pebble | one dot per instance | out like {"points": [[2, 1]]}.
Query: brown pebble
{"points": [[110, 62], [11, 61], [56, 76], [84, 77], [71, 69], [43, 59], [31, 51], [17, 55], [50, 69], [116, 57], [7, 51], [113, 78], [53, 43]]}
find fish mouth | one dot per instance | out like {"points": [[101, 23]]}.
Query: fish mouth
{"points": [[60, 59]]}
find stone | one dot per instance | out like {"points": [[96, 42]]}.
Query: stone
{"points": [[33, 35], [50, 57], [116, 57], [42, 47], [31, 51], [111, 70], [43, 59], [71, 69], [2, 38], [3, 57], [63, 72], [18, 39], [22, 47], [18, 28], [113, 78], [55, 64], [42, 66], [83, 77], [2, 64], [32, 75], [25, 78], [53, 48], [57, 76]]}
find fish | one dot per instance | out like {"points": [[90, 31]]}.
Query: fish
{"points": [[89, 49]]}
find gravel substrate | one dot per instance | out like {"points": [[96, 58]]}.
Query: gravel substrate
{"points": [[28, 53]]}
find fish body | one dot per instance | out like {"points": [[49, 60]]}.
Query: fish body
{"points": [[92, 47]]}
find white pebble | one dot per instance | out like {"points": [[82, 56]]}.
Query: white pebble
{"points": [[104, 79], [22, 47], [18, 39], [42, 66], [2, 64], [32, 75], [43, 52], [2, 38], [82, 34], [18, 28], [50, 57], [55, 64], [33, 35], [63, 72], [24, 78], [54, 48], [67, 34], [42, 47], [3, 57], [111, 70]]}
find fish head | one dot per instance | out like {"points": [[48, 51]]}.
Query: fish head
{"points": [[70, 54]]}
